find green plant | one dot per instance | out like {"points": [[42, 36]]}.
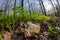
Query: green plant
{"points": [[44, 18], [0, 33], [0, 36], [7, 19], [1, 11], [52, 31]]}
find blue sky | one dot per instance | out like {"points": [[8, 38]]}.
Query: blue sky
{"points": [[47, 4]]}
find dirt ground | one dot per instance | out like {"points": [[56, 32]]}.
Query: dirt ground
{"points": [[6, 35]]}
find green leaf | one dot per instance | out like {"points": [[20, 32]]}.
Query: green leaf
{"points": [[50, 29]]}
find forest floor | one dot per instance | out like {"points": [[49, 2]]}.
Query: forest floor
{"points": [[42, 36]]}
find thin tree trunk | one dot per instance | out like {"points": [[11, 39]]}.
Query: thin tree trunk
{"points": [[14, 6], [9, 5], [42, 6], [22, 3], [29, 7], [58, 8], [32, 10], [53, 6], [5, 9]]}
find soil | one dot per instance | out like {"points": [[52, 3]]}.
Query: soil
{"points": [[17, 35], [6, 35]]}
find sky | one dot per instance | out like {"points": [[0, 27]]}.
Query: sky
{"points": [[47, 4]]}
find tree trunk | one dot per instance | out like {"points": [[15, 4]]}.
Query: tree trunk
{"points": [[58, 8], [53, 6], [42, 7], [9, 6], [5, 9], [29, 7], [14, 6], [22, 3]]}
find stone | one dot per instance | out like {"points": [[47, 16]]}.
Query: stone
{"points": [[33, 27]]}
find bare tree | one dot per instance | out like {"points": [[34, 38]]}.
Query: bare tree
{"points": [[32, 9], [22, 3], [9, 6], [6, 6], [14, 6], [53, 6], [58, 8], [29, 7], [42, 6]]}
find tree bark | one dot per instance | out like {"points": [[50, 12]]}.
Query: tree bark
{"points": [[14, 6], [29, 7], [58, 8], [5, 9], [22, 3], [42, 7], [53, 6]]}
